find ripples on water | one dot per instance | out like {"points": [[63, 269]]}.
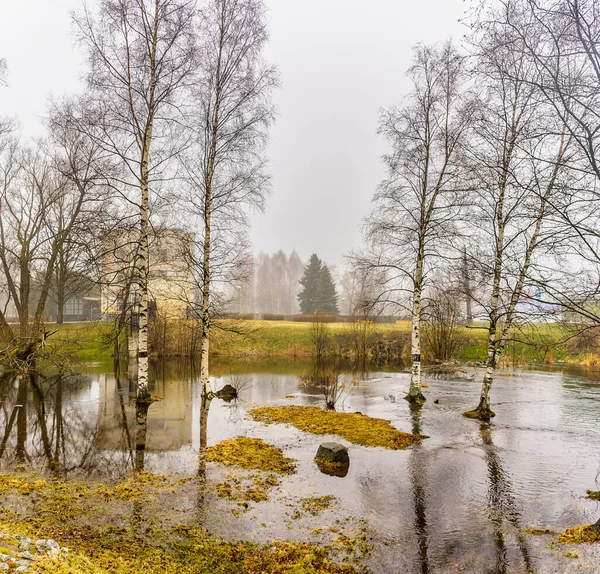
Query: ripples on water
{"points": [[458, 502]]}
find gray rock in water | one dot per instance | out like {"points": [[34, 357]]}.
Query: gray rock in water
{"points": [[333, 452], [4, 557], [4, 566], [53, 548]]}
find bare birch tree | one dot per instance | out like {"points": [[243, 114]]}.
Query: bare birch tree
{"points": [[561, 39], [226, 165], [141, 54], [516, 158], [418, 203]]}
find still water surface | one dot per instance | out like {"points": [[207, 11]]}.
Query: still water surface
{"points": [[459, 502]]}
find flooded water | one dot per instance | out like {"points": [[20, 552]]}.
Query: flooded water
{"points": [[459, 502]]}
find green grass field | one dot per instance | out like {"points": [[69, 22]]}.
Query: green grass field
{"points": [[269, 340]]}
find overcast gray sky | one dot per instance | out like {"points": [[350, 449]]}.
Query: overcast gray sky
{"points": [[340, 62]]}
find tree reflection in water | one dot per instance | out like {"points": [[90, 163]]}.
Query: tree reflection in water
{"points": [[205, 402], [502, 505], [417, 471], [43, 428]]}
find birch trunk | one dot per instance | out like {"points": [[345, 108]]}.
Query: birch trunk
{"points": [[143, 394], [206, 278], [497, 338], [204, 353], [414, 392]]}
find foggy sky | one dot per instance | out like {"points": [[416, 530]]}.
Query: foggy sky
{"points": [[340, 61]]}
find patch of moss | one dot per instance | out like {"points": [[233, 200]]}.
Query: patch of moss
{"points": [[121, 548], [313, 505], [480, 415], [247, 488], [23, 484], [593, 494], [250, 453], [355, 427], [580, 534], [538, 531], [571, 555], [194, 553]]}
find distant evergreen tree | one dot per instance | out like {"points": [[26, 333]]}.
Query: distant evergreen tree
{"points": [[327, 297], [310, 281], [318, 293]]}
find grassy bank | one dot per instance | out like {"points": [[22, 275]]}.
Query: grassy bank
{"points": [[264, 340]]}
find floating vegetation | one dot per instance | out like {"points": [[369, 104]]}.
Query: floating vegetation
{"points": [[244, 489], [130, 488], [593, 494], [480, 414], [539, 531], [313, 505], [250, 453], [355, 427], [580, 534]]}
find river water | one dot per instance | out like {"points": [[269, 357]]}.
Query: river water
{"points": [[459, 502]]}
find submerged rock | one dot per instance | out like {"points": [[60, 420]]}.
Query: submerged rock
{"points": [[333, 452], [332, 459]]}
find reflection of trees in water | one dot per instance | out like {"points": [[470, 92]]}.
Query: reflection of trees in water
{"points": [[417, 470], [141, 433], [48, 433], [326, 378], [204, 410], [122, 410], [502, 504], [42, 426]]}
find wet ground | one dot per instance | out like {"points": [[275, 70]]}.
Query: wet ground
{"points": [[459, 502]]}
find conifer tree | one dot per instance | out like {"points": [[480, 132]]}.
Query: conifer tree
{"points": [[310, 285], [318, 294], [327, 298]]}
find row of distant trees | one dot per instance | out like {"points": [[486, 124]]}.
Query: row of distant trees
{"points": [[282, 285]]}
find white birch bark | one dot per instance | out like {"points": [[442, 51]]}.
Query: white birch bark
{"points": [[497, 337], [414, 392], [143, 394]]}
